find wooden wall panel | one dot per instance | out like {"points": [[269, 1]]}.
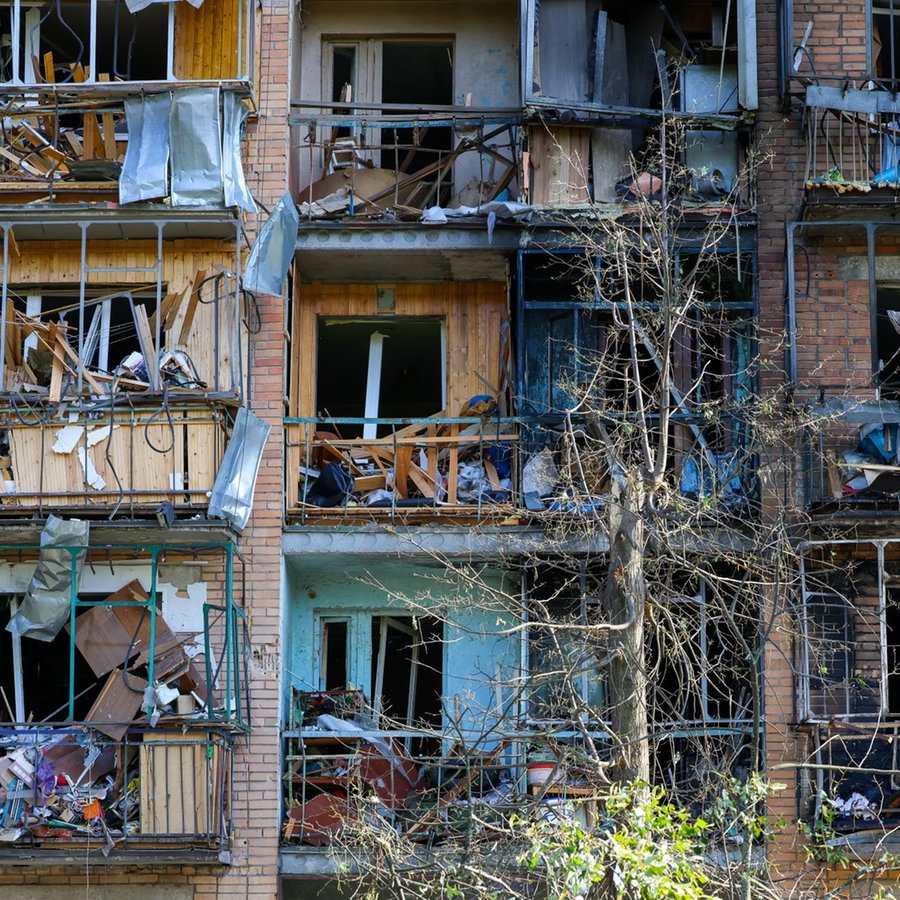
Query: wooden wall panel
{"points": [[206, 40], [473, 313], [46, 263]]}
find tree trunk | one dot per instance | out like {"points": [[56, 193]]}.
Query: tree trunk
{"points": [[626, 592]]}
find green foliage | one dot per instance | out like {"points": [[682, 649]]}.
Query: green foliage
{"points": [[647, 849]]}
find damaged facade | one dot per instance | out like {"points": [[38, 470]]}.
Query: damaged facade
{"points": [[134, 178], [450, 163], [294, 327]]}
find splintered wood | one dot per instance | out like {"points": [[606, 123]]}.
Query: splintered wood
{"points": [[132, 442]]}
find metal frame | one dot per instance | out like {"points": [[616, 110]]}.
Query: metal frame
{"points": [[231, 708]]}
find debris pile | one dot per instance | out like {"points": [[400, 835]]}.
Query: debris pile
{"points": [[424, 464]]}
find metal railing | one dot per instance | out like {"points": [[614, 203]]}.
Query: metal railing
{"points": [[154, 786], [851, 151]]}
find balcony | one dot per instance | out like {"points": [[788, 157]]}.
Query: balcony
{"points": [[172, 144], [160, 795], [69, 46], [853, 146], [125, 691], [363, 161]]}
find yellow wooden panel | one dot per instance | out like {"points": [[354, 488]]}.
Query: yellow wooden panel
{"points": [[473, 312], [206, 40]]}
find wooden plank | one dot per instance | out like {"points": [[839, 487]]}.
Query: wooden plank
{"points": [[56, 375], [109, 128], [559, 158], [190, 309], [117, 705], [418, 477], [176, 788], [402, 458], [151, 357]]}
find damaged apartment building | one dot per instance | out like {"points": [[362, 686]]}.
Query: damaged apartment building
{"points": [[299, 306], [833, 194], [130, 323], [449, 163]]}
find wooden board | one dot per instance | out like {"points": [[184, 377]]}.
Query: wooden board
{"points": [[116, 707], [181, 789], [125, 460], [102, 639], [559, 161]]}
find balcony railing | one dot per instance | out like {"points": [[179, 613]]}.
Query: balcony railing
{"points": [[72, 43], [853, 142], [358, 161], [485, 467], [65, 785], [436, 465], [343, 777]]}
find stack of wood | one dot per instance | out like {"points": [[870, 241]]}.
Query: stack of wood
{"points": [[55, 365], [34, 145]]}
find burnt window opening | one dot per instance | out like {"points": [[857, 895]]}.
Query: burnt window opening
{"points": [[697, 666], [886, 342], [565, 682], [380, 368], [892, 633]]}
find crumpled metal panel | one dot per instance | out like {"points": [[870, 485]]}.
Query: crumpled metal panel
{"points": [[196, 148], [273, 250], [137, 5], [236, 191], [47, 604], [146, 167], [232, 493]]}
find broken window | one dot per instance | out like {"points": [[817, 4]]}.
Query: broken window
{"points": [[397, 662], [565, 682], [698, 668], [886, 341], [631, 54], [106, 338], [380, 368], [396, 71]]}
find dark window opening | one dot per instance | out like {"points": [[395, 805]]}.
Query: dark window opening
{"points": [[564, 681], [130, 46], [45, 674], [420, 74], [886, 340], [892, 615], [408, 383], [407, 669], [343, 83], [886, 41], [334, 655]]}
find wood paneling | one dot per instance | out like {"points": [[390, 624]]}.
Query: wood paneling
{"points": [[206, 40], [474, 313]]}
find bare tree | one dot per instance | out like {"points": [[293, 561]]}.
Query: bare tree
{"points": [[647, 609]]}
